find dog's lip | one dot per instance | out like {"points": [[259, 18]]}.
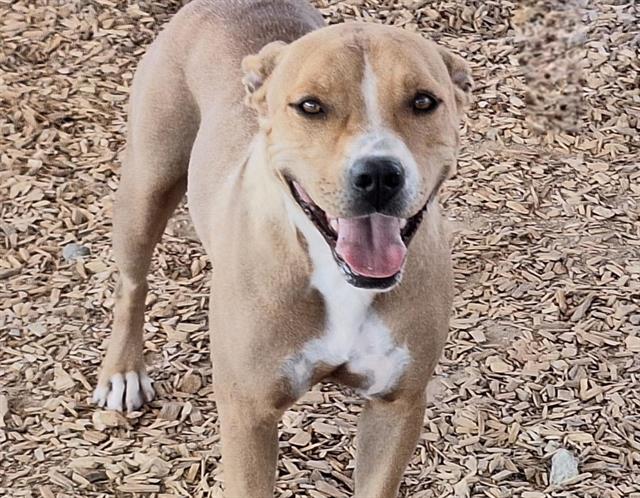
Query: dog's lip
{"points": [[317, 215]]}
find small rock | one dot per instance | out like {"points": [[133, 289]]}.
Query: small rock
{"points": [[73, 251], [564, 466]]}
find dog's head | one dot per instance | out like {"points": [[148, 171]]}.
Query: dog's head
{"points": [[361, 123]]}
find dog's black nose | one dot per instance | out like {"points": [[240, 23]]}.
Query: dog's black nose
{"points": [[377, 180]]}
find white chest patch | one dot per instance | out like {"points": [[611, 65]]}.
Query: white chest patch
{"points": [[355, 337]]}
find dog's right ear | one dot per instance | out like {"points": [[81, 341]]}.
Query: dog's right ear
{"points": [[257, 69]]}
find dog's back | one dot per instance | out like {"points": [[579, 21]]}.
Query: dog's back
{"points": [[217, 34]]}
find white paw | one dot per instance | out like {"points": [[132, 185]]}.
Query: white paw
{"points": [[132, 389]]}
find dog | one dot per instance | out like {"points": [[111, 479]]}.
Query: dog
{"points": [[312, 157]]}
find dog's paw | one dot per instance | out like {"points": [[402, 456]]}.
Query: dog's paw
{"points": [[129, 390]]}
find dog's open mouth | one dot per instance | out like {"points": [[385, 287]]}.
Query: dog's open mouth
{"points": [[370, 250]]}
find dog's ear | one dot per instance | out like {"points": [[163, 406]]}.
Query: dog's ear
{"points": [[257, 69], [460, 74]]}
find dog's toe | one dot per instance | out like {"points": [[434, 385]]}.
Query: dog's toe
{"points": [[100, 395], [130, 390], [147, 387], [139, 390], [116, 393]]}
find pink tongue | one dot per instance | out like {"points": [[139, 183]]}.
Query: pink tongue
{"points": [[371, 245]]}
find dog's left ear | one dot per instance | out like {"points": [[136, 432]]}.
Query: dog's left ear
{"points": [[257, 69], [460, 74]]}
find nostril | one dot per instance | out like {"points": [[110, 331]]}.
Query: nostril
{"points": [[364, 181], [392, 180]]}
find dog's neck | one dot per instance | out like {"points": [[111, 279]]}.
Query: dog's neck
{"points": [[266, 198], [261, 183]]}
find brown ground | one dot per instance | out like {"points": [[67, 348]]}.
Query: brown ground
{"points": [[546, 334]]}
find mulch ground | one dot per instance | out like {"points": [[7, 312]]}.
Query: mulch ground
{"points": [[544, 351]]}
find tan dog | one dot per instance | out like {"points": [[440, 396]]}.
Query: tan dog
{"points": [[306, 212]]}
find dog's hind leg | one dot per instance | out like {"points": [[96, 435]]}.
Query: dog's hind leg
{"points": [[162, 127]]}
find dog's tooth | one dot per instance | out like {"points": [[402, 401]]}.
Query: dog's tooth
{"points": [[403, 223], [333, 222]]}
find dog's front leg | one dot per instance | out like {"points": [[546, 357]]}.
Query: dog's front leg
{"points": [[249, 433], [387, 435]]}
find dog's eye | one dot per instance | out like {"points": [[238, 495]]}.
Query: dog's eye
{"points": [[423, 102], [310, 106]]}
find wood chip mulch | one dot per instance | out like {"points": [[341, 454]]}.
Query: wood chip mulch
{"points": [[544, 354]]}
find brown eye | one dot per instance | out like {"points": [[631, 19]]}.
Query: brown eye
{"points": [[310, 106], [424, 102]]}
